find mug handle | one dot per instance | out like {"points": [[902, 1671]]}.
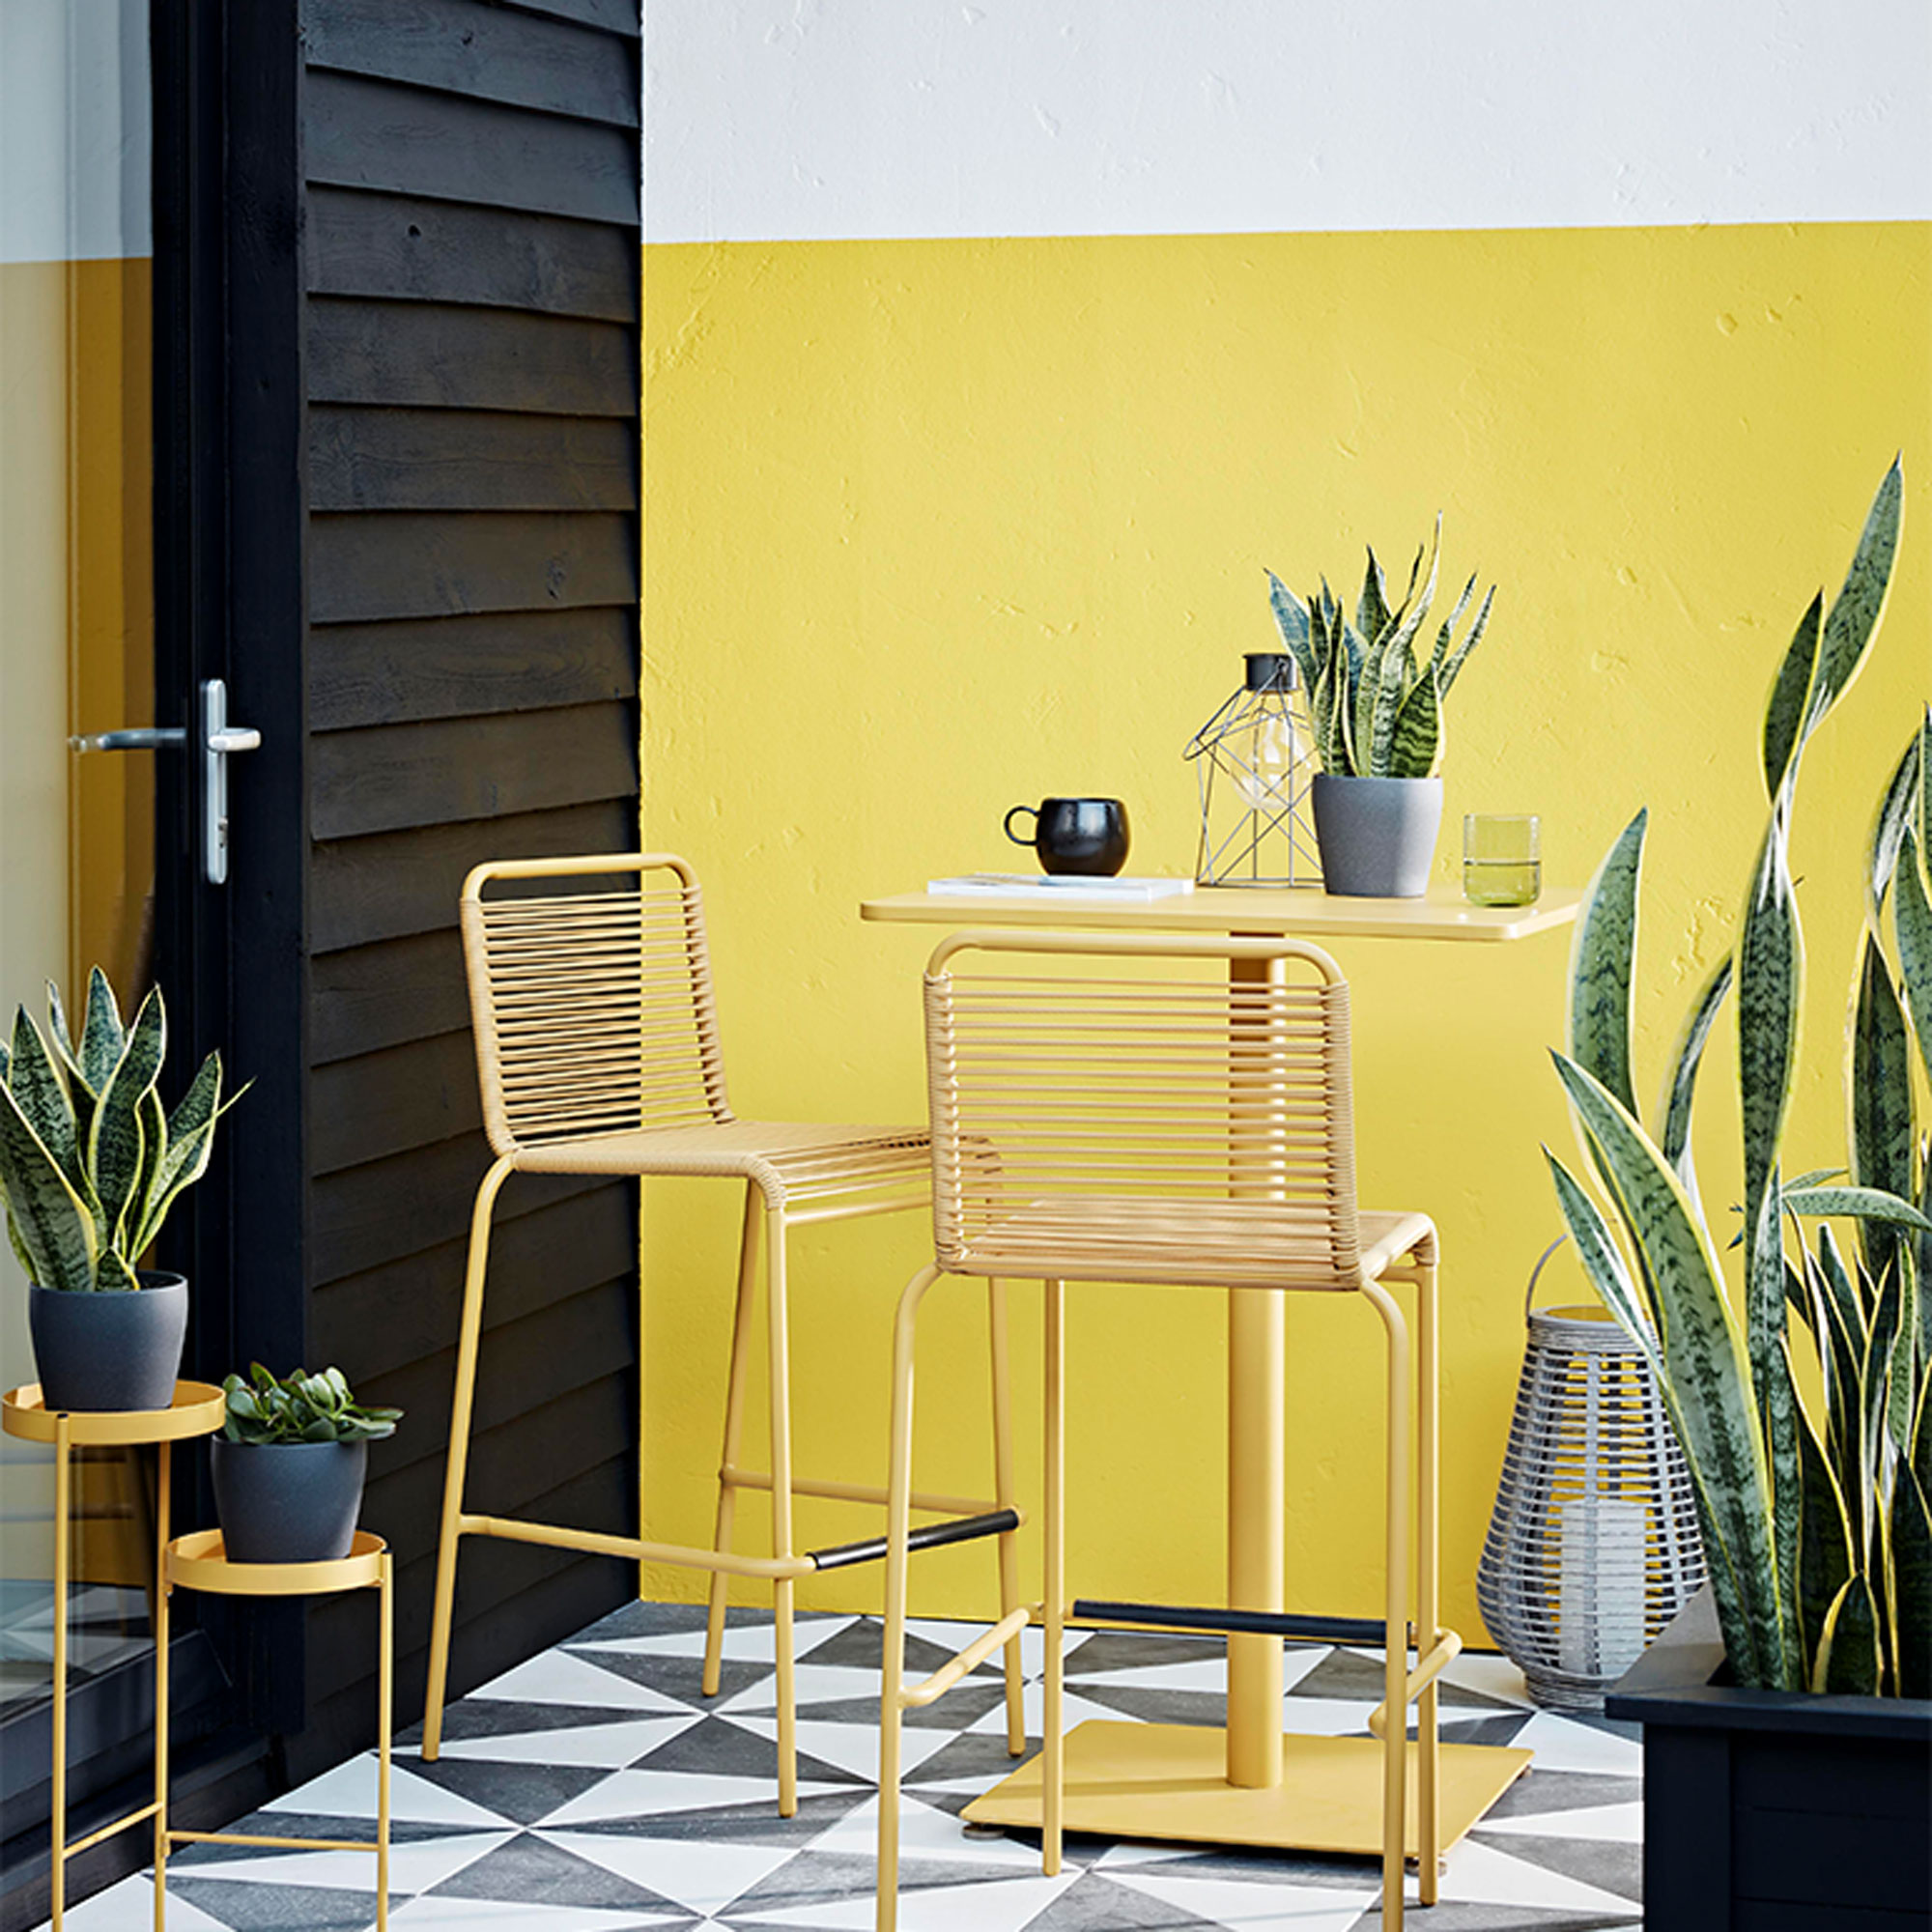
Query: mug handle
{"points": [[1007, 822]]}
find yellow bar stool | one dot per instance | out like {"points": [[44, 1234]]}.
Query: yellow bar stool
{"points": [[598, 1053], [1111, 1109]]}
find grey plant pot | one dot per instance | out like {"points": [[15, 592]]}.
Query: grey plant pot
{"points": [[116, 1349], [1376, 835], [286, 1502]]}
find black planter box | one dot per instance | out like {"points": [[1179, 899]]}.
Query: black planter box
{"points": [[1771, 1811]]}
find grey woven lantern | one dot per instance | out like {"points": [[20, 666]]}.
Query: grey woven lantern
{"points": [[1255, 761], [1594, 1545]]}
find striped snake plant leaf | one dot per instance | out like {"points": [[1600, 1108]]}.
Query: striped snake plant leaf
{"points": [[1824, 1531], [1879, 1093], [1847, 1657], [1452, 668], [183, 1164], [1331, 712], [1391, 689], [15, 1242], [1875, 1371], [1680, 1085], [102, 1039], [1912, 1585], [1291, 620], [1602, 955], [81, 1095], [114, 1141], [1447, 629], [1854, 616], [115, 1272], [153, 1122], [54, 1228], [1415, 747], [1371, 607], [1899, 806], [1413, 612], [1368, 697], [1770, 978], [1777, 1399], [1912, 926], [1868, 1204], [36, 1084], [1705, 1361], [1790, 703]]}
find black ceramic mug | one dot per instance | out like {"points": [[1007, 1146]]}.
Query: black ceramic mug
{"points": [[1076, 834]]}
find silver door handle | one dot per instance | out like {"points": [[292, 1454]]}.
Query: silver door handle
{"points": [[219, 741]]}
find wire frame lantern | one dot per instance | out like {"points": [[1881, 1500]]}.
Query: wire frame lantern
{"points": [[1255, 761], [1594, 1544]]}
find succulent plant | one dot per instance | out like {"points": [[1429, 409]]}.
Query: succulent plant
{"points": [[1817, 1517], [300, 1407], [90, 1161], [1376, 703]]}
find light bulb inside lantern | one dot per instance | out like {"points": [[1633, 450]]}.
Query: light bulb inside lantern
{"points": [[1272, 754]]}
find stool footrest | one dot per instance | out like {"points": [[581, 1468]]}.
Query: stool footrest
{"points": [[1235, 1623], [928, 1536]]}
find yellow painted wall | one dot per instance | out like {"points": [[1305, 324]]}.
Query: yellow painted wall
{"points": [[936, 527]]}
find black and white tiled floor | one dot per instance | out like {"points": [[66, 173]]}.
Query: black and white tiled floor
{"points": [[594, 1790]]}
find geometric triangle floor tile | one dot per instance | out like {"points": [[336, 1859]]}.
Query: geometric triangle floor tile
{"points": [[594, 1788]]}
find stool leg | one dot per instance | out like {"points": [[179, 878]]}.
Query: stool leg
{"points": [[734, 1418], [1004, 1496], [898, 1521], [385, 1667], [779, 1370], [163, 1484], [1053, 1748], [1395, 1672], [57, 1874], [1429, 1607], [469, 1340]]}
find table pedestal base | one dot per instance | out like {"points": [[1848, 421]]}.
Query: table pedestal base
{"points": [[1170, 1781]]}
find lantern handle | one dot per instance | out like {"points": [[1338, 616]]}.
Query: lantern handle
{"points": [[1535, 1274]]}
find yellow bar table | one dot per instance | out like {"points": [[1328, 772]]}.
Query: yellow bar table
{"points": [[1252, 1786], [199, 1408]]}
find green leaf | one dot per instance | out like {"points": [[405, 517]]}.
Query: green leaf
{"points": [[1597, 1249], [1372, 609], [1870, 1204], [1680, 1084], [1441, 653], [101, 1038], [1776, 1398], [1897, 811], [1601, 958], [1848, 1660], [1452, 668], [1705, 1362], [1854, 616], [114, 1141], [1912, 923], [1879, 1088], [36, 1083], [1368, 700], [1292, 621], [154, 1123], [1824, 1535], [1415, 745], [1770, 978], [114, 1272], [1790, 704], [49, 1217], [1912, 1585]]}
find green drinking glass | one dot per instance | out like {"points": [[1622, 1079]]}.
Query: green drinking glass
{"points": [[1502, 858]]}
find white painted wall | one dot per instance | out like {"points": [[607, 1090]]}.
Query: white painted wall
{"points": [[794, 120], [75, 131]]}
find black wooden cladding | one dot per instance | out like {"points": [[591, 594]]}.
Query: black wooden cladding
{"points": [[471, 283]]}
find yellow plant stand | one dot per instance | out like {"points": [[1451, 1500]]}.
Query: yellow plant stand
{"points": [[200, 1562], [198, 1409]]}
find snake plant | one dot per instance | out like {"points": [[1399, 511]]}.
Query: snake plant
{"points": [[300, 1407], [1375, 700], [1815, 1512], [90, 1161]]}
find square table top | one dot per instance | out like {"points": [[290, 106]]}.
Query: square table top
{"points": [[1442, 913]]}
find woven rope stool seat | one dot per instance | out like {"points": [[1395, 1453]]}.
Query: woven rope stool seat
{"points": [[1594, 1544], [598, 1053]]}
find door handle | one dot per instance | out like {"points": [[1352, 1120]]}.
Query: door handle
{"points": [[217, 741]]}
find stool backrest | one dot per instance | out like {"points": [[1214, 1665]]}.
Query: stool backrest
{"points": [[593, 1005], [1103, 1107]]}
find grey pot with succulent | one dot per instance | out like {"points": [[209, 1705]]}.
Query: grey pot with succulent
{"points": [[91, 1163], [290, 1464], [1376, 703], [1810, 1441]]}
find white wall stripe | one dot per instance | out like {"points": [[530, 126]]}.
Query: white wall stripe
{"points": [[796, 119]]}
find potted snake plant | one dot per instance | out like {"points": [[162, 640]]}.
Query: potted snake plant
{"points": [[1376, 704], [1788, 1713], [89, 1164], [290, 1464]]}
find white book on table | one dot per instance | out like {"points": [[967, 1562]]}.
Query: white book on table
{"points": [[1069, 888]]}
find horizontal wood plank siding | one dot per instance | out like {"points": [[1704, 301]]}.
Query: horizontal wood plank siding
{"points": [[472, 277]]}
